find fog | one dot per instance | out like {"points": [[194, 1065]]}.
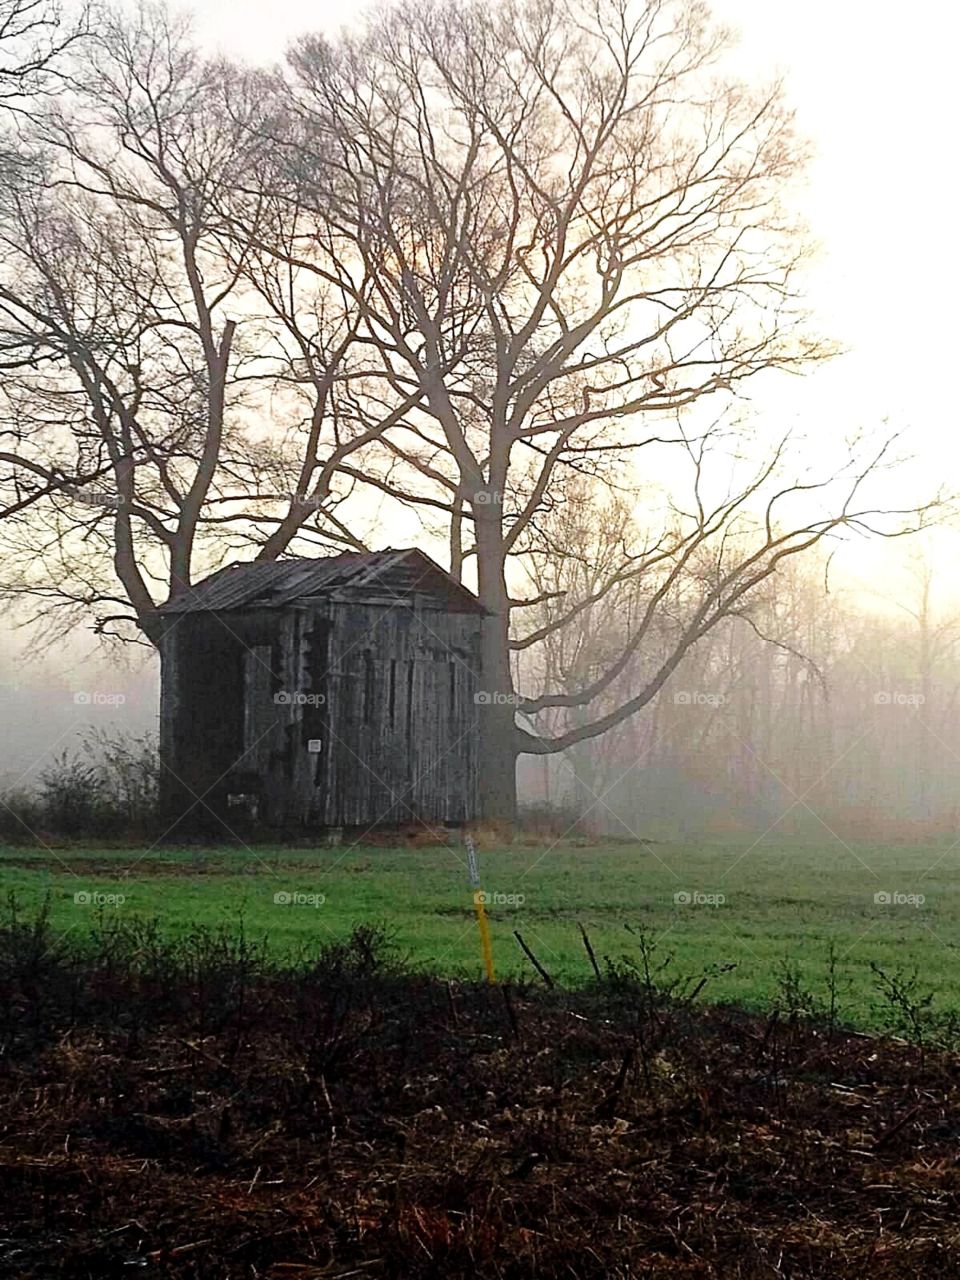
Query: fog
{"points": [[828, 700], [832, 715], [843, 723], [50, 700]]}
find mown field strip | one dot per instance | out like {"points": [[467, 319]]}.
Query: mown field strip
{"points": [[758, 908]]}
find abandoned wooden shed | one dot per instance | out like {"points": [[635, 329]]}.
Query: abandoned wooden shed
{"points": [[320, 693]]}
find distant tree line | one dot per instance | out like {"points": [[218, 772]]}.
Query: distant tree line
{"points": [[821, 712]]}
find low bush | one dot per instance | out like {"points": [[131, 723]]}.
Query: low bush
{"points": [[109, 788]]}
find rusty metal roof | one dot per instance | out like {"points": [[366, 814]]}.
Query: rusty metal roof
{"points": [[272, 584]]}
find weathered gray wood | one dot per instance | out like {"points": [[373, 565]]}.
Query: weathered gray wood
{"points": [[385, 685]]}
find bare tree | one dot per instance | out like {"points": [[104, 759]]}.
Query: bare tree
{"points": [[571, 231], [34, 36], [464, 263], [156, 414]]}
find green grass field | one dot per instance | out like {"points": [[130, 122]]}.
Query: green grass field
{"points": [[780, 904]]}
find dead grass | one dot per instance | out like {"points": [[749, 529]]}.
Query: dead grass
{"points": [[184, 1110]]}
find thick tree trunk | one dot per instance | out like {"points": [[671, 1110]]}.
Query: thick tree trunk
{"points": [[497, 701]]}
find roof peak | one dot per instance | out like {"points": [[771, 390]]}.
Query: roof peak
{"points": [[274, 583]]}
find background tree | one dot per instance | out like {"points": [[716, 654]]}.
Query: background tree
{"points": [[34, 36], [821, 711], [572, 232], [460, 264], [158, 415]]}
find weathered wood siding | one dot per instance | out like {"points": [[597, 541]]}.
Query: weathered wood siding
{"points": [[401, 716], [386, 688]]}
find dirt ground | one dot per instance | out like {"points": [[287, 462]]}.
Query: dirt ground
{"points": [[194, 1115]]}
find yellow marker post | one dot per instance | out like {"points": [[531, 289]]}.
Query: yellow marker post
{"points": [[479, 906]]}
